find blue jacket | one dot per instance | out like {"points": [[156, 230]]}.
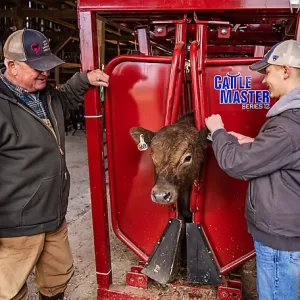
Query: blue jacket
{"points": [[271, 163]]}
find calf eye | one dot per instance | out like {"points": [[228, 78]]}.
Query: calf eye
{"points": [[188, 158]]}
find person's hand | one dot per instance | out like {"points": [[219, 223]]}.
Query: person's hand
{"points": [[214, 122], [98, 78], [242, 139]]}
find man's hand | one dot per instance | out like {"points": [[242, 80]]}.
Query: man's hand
{"points": [[242, 139], [98, 78], [214, 122]]}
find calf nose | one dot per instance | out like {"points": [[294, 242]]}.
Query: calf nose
{"points": [[161, 197]]}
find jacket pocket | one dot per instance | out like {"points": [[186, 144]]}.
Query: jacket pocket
{"points": [[43, 206]]}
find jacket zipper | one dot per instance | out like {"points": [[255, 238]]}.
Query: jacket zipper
{"points": [[62, 172], [57, 139]]}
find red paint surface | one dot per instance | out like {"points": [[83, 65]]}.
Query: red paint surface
{"points": [[138, 5], [139, 100]]}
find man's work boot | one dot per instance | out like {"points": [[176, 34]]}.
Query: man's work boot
{"points": [[59, 296]]}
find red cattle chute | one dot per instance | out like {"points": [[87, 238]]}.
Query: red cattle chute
{"points": [[140, 94]]}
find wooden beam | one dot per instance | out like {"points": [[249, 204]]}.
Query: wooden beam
{"points": [[123, 38], [18, 20], [62, 44], [63, 23], [42, 13], [70, 65], [50, 34], [53, 2], [71, 3], [113, 31], [116, 25], [115, 42]]}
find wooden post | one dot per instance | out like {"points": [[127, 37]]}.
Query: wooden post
{"points": [[56, 76], [118, 45], [101, 42], [18, 18]]}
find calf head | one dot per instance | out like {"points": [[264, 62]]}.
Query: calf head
{"points": [[177, 152]]}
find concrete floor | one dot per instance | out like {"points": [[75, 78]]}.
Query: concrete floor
{"points": [[83, 285]]}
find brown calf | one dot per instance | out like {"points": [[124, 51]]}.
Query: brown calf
{"points": [[177, 152]]}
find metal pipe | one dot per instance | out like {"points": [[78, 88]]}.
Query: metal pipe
{"points": [[89, 51]]}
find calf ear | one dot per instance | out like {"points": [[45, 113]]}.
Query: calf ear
{"points": [[136, 133], [203, 133]]}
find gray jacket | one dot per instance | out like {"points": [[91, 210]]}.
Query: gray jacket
{"points": [[271, 163], [34, 180]]}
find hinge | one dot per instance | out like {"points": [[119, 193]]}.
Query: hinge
{"points": [[294, 2]]}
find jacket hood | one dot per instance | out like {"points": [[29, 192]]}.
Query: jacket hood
{"points": [[289, 101]]}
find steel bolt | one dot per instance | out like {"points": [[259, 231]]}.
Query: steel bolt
{"points": [[223, 31], [159, 30]]}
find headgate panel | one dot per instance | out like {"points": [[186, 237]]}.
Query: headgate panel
{"points": [[230, 89], [141, 100], [243, 106], [138, 99]]}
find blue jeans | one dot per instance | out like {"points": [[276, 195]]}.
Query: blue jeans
{"points": [[278, 273]]}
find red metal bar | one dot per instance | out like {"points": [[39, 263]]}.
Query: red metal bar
{"points": [[89, 61], [180, 37], [158, 5], [240, 261], [198, 64], [111, 167], [198, 55], [143, 39], [229, 61], [297, 36], [202, 38], [223, 49], [259, 51], [120, 295], [173, 81], [194, 78], [196, 100]]}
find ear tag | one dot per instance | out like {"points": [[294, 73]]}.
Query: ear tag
{"points": [[142, 146], [209, 137]]}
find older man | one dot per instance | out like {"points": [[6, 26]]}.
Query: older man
{"points": [[271, 163], [34, 180]]}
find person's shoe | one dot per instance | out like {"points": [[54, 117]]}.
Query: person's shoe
{"points": [[59, 296]]}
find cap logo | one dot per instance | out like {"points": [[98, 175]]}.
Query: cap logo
{"points": [[35, 48], [275, 57]]}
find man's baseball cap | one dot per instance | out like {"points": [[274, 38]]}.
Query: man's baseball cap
{"points": [[283, 53], [31, 47]]}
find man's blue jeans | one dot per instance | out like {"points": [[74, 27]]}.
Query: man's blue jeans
{"points": [[278, 273]]}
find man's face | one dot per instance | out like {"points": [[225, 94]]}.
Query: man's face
{"points": [[274, 79], [28, 78]]}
